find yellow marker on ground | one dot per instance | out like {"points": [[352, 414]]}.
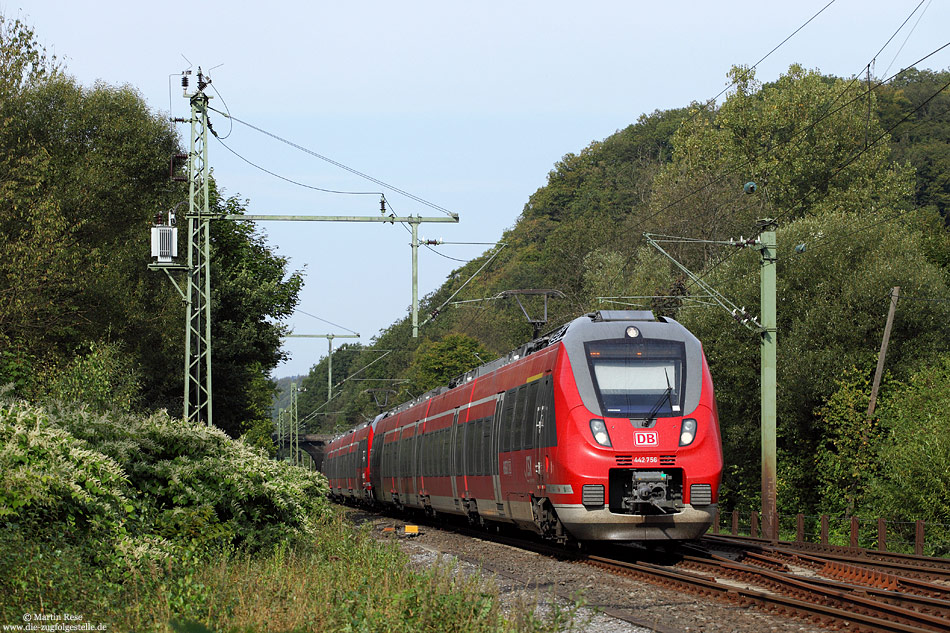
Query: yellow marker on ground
{"points": [[412, 529]]}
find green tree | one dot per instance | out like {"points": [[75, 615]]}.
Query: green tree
{"points": [[805, 138], [832, 303], [437, 362], [914, 481], [83, 172], [251, 294]]}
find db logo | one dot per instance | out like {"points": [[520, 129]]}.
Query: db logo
{"points": [[646, 438]]}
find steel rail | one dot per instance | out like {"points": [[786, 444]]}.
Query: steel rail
{"points": [[828, 593], [808, 608]]}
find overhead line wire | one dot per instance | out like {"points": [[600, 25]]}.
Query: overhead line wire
{"points": [[336, 163], [840, 168], [778, 46], [325, 321], [290, 180]]}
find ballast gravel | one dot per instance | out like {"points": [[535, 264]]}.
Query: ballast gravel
{"points": [[611, 603]]}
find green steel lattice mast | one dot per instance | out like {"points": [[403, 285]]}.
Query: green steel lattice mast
{"points": [[197, 401]]}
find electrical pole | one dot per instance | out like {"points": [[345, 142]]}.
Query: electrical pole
{"points": [[295, 426], [769, 331], [196, 401], [895, 291], [198, 326], [413, 221], [329, 338]]}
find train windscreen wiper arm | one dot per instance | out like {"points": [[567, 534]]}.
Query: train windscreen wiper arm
{"points": [[667, 395]]}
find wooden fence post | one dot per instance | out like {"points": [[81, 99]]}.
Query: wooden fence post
{"points": [[824, 529], [800, 528], [882, 535], [854, 531], [735, 522], [919, 538]]}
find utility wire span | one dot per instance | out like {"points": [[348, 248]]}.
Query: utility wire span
{"points": [[796, 204], [914, 28], [335, 163], [501, 245], [316, 411], [325, 321], [778, 46], [290, 180]]}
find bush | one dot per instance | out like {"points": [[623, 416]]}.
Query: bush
{"points": [[195, 484], [103, 379], [49, 476], [914, 480]]}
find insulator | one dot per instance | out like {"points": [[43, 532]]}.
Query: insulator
{"points": [[184, 82]]}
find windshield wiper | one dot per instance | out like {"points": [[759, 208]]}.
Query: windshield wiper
{"points": [[667, 395]]}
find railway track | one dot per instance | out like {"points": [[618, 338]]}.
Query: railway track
{"points": [[836, 591], [833, 587]]}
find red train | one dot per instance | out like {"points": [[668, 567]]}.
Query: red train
{"points": [[605, 429]]}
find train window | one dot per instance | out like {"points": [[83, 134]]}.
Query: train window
{"points": [[530, 415], [470, 449], [445, 451], [430, 452], [506, 419], [498, 434], [638, 378], [517, 420], [549, 430], [486, 446]]}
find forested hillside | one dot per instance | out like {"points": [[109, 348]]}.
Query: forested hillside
{"points": [[857, 179]]}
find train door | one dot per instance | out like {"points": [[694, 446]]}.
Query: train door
{"points": [[455, 467], [418, 455], [532, 469], [363, 461], [495, 453], [543, 429]]}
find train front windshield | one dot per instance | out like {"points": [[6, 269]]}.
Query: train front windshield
{"points": [[638, 378]]}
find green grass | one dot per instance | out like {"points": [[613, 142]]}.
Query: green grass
{"points": [[341, 580]]}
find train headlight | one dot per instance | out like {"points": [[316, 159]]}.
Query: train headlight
{"points": [[599, 431], [633, 332], [687, 431]]}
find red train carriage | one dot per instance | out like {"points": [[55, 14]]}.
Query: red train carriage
{"points": [[346, 465], [605, 429]]}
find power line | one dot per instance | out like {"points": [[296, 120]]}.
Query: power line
{"points": [[919, 18], [290, 180], [324, 320], [907, 19], [338, 164], [841, 167], [778, 46]]}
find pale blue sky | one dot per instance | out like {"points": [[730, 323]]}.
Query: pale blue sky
{"points": [[468, 105]]}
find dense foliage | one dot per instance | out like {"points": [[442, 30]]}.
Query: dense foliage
{"points": [[82, 173], [144, 523]]}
